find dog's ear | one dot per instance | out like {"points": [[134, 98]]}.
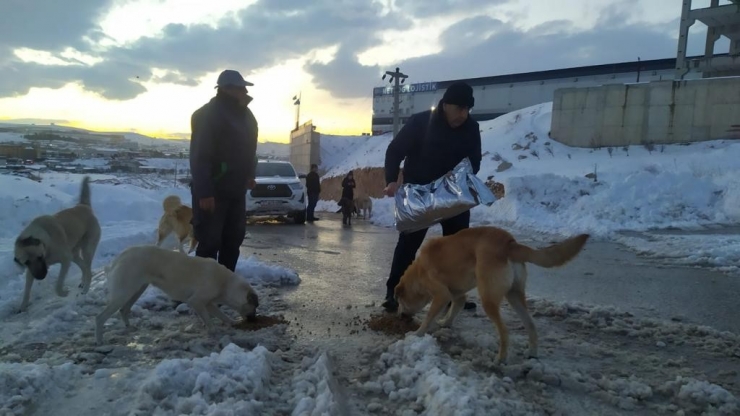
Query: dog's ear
{"points": [[29, 241], [252, 299]]}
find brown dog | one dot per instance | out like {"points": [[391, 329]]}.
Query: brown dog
{"points": [[176, 218], [488, 258], [348, 207]]}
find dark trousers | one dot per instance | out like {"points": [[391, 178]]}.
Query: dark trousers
{"points": [[221, 233], [313, 199], [409, 243]]}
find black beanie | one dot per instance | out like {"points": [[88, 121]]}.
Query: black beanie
{"points": [[459, 93]]}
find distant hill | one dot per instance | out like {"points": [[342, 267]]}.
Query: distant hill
{"points": [[15, 129]]}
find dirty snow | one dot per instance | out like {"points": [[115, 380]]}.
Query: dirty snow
{"points": [[593, 360]]}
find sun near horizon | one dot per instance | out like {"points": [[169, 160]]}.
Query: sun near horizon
{"points": [[164, 110]]}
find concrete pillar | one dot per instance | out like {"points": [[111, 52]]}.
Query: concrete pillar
{"points": [[712, 36], [734, 47], [683, 37]]}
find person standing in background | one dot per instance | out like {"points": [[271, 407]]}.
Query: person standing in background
{"points": [[313, 190]]}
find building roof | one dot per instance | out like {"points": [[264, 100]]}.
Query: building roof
{"points": [[574, 72]]}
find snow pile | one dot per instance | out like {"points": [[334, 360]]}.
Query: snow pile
{"points": [[230, 382], [416, 373], [638, 201], [263, 274], [312, 387], [113, 200], [368, 153], [336, 149], [698, 396], [22, 384]]}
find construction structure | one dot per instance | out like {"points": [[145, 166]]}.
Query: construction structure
{"points": [[721, 20], [701, 102], [305, 147]]}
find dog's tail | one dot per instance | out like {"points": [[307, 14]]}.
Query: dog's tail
{"points": [[171, 203], [85, 192], [552, 256]]}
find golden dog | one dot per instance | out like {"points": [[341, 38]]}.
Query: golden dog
{"points": [[176, 218], [488, 258]]}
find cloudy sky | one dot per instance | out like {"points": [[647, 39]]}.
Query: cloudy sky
{"points": [[146, 65]]}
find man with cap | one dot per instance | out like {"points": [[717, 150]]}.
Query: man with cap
{"points": [[431, 143], [223, 150]]}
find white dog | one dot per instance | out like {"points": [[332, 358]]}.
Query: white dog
{"points": [[202, 283], [69, 236]]}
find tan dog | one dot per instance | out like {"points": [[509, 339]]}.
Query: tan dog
{"points": [[364, 204], [200, 282], [176, 218], [488, 258], [69, 236]]}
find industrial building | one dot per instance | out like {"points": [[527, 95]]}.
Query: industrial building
{"points": [[501, 94]]}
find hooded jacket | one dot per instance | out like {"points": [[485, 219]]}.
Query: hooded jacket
{"points": [[430, 148], [223, 148]]}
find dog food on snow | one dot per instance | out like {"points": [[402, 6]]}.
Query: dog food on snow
{"points": [[392, 324], [259, 322]]}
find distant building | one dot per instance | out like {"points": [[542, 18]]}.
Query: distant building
{"points": [[501, 94], [19, 151]]}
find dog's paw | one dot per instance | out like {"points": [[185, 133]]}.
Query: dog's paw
{"points": [[444, 323], [62, 291]]}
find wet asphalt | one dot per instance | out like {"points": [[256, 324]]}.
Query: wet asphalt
{"points": [[343, 272]]}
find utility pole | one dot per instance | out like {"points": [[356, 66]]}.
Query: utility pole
{"points": [[396, 76], [638, 69], [297, 103]]}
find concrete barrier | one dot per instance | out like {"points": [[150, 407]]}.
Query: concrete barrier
{"points": [[661, 112]]}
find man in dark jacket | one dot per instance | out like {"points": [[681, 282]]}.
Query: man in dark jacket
{"points": [[313, 189], [223, 151], [431, 143]]}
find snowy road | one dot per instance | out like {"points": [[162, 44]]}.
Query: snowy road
{"points": [[629, 352], [618, 335]]}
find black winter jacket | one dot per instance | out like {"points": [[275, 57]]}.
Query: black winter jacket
{"points": [[223, 148], [431, 148], [313, 183]]}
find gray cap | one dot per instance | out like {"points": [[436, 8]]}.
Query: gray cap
{"points": [[231, 77]]}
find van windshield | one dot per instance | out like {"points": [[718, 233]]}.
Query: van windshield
{"points": [[275, 169]]}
